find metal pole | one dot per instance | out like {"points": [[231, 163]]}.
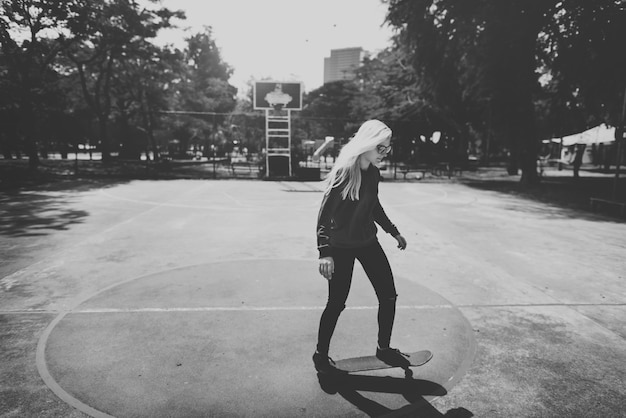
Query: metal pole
{"points": [[267, 143], [76, 157], [489, 127], [619, 139], [214, 162], [289, 139]]}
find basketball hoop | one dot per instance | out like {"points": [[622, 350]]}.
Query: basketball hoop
{"points": [[269, 94], [277, 98]]}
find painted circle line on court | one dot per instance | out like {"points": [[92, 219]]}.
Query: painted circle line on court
{"points": [[193, 339]]}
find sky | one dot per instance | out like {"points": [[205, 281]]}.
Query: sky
{"points": [[283, 40]]}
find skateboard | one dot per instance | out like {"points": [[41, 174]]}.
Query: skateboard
{"points": [[362, 364]]}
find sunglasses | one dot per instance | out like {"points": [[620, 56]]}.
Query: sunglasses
{"points": [[383, 149]]}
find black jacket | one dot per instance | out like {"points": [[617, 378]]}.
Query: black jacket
{"points": [[352, 223]]}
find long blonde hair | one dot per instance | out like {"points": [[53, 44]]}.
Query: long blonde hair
{"points": [[347, 169]]}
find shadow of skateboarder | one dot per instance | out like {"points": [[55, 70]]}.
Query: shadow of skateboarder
{"points": [[348, 386]]}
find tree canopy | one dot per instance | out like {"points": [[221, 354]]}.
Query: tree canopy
{"points": [[101, 56], [496, 60], [493, 76]]}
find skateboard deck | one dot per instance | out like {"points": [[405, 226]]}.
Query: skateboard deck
{"points": [[361, 364]]}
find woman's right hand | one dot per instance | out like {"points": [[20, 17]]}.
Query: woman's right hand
{"points": [[327, 267]]}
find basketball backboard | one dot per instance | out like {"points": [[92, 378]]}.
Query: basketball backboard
{"points": [[277, 95]]}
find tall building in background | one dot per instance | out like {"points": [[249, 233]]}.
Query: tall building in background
{"points": [[342, 63]]}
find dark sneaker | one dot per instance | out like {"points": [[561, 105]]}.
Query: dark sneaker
{"points": [[392, 357], [323, 364]]}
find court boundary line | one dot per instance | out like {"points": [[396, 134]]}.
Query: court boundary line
{"points": [[247, 309], [55, 387]]}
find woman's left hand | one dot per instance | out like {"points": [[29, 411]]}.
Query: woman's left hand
{"points": [[401, 241]]}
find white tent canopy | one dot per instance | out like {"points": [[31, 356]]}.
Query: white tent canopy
{"points": [[601, 134]]}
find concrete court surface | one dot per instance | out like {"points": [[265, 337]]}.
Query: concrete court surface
{"points": [[191, 298]]}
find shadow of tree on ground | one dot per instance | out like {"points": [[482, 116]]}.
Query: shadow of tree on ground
{"points": [[37, 213], [561, 197], [16, 174]]}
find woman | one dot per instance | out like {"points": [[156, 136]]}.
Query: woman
{"points": [[346, 232]]}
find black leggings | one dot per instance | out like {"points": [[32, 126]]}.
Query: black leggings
{"points": [[376, 266]]}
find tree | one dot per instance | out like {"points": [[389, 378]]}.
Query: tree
{"points": [[142, 88], [248, 125], [475, 54], [333, 109], [581, 51], [503, 60], [31, 34], [390, 91], [9, 110], [510, 77], [202, 86], [105, 33]]}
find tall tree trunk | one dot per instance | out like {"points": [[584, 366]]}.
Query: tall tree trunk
{"points": [[529, 143], [27, 124], [513, 39], [104, 140], [148, 123], [99, 101], [528, 140], [31, 151], [155, 148]]}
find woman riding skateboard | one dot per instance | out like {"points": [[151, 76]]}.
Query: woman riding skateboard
{"points": [[346, 232]]}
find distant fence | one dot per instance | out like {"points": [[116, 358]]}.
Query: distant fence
{"points": [[226, 168]]}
